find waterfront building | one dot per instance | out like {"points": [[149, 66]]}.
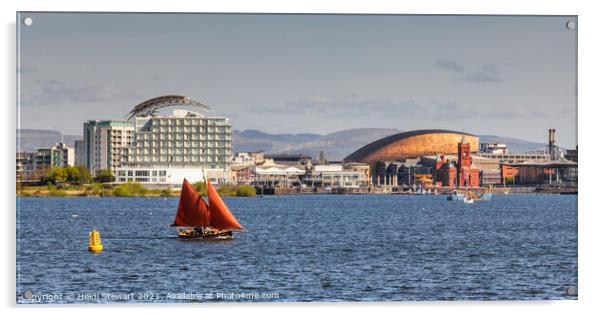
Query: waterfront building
{"points": [[572, 154], [34, 165], [62, 155], [268, 175], [183, 140], [461, 173], [161, 176], [467, 173], [495, 148], [362, 169], [106, 143], [515, 157], [79, 152], [491, 177], [299, 160], [444, 173], [247, 158], [336, 176], [412, 144], [25, 165], [554, 172], [407, 172]]}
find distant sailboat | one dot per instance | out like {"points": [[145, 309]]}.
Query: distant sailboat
{"points": [[202, 220]]}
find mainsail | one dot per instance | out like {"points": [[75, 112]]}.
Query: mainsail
{"points": [[221, 217], [192, 210]]}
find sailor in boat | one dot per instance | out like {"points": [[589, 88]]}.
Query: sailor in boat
{"points": [[202, 219]]}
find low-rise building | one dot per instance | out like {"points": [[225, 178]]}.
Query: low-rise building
{"points": [[35, 165], [166, 175], [493, 148], [247, 158], [554, 172], [337, 176]]}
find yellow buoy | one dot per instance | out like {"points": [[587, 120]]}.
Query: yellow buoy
{"points": [[94, 243]]}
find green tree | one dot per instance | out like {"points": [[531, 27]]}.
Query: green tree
{"points": [[73, 175], [56, 175], [227, 190], [200, 187], [245, 190], [104, 175], [84, 173]]}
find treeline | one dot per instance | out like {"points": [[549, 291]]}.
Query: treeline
{"points": [[226, 190], [77, 181], [130, 189], [76, 175]]}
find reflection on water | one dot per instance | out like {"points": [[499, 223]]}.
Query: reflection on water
{"points": [[303, 248]]}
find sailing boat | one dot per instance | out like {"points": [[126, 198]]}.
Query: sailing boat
{"points": [[197, 219]]}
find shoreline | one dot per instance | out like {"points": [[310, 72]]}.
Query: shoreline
{"points": [[176, 194]]}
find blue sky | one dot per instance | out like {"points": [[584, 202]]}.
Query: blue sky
{"points": [[501, 75]]}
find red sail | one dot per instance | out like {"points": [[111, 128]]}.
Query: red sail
{"points": [[221, 217], [192, 210]]}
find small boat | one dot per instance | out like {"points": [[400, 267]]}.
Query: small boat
{"points": [[327, 190], [468, 197], [456, 196], [198, 219], [486, 196]]}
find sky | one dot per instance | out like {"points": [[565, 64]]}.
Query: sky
{"points": [[512, 76]]}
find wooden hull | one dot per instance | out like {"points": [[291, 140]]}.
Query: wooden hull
{"points": [[193, 234]]}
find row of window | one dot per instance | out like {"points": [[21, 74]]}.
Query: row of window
{"points": [[142, 173], [177, 159], [151, 180], [179, 143], [180, 151], [188, 122], [190, 129], [186, 135]]}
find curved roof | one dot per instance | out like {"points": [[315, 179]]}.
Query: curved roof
{"points": [[151, 106], [366, 150]]}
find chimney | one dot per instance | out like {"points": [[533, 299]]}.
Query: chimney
{"points": [[552, 143]]}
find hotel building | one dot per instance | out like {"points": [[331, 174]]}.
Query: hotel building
{"points": [[187, 144]]}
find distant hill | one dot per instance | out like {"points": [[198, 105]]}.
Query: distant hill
{"points": [[31, 139], [254, 140], [335, 145], [338, 145]]}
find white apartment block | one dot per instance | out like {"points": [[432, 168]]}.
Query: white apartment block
{"points": [[106, 143]]}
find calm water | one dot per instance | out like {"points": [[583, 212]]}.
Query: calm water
{"points": [[302, 248]]}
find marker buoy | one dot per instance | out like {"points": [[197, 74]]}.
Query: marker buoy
{"points": [[94, 242]]}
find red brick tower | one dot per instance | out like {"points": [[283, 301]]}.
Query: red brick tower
{"points": [[464, 164]]}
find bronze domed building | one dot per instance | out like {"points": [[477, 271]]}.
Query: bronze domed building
{"points": [[413, 144]]}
